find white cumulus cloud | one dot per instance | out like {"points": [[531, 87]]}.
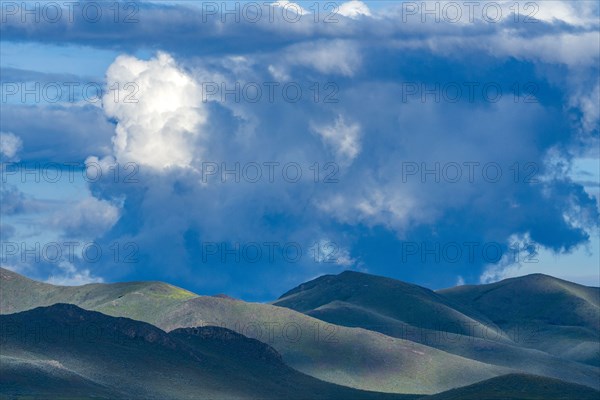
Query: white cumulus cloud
{"points": [[339, 57], [89, 218], [159, 112], [290, 6], [10, 145], [69, 275], [353, 9], [343, 139]]}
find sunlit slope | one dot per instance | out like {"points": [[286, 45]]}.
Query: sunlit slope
{"points": [[144, 301], [564, 317], [347, 356], [410, 312], [492, 348]]}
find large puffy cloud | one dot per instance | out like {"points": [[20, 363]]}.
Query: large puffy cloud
{"points": [[159, 122], [371, 132], [371, 145]]}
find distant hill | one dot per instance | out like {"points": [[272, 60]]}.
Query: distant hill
{"points": [[384, 298], [564, 317], [519, 387], [505, 333], [63, 351]]}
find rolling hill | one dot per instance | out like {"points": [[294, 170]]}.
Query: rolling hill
{"points": [[365, 332], [408, 311], [352, 357], [63, 351], [564, 317], [385, 298], [147, 301]]}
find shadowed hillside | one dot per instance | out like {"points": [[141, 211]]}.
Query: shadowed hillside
{"points": [[519, 387], [65, 351]]}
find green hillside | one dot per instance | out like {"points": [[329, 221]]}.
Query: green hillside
{"points": [[564, 317], [144, 301], [410, 312], [347, 356], [386, 298]]}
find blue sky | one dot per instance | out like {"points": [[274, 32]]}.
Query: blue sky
{"points": [[374, 136]]}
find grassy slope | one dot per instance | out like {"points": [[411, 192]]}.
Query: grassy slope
{"points": [[26, 375], [564, 317], [144, 301], [488, 349], [410, 304], [131, 359], [519, 387], [410, 312], [348, 356], [352, 357]]}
